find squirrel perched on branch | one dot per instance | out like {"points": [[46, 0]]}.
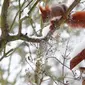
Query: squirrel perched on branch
{"points": [[48, 13], [75, 20]]}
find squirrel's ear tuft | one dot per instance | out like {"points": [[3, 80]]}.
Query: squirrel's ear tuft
{"points": [[42, 9], [44, 12]]}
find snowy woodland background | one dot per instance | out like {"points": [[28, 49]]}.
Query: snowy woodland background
{"points": [[39, 61]]}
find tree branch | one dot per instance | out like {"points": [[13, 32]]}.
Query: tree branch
{"points": [[20, 23], [62, 20], [4, 25], [30, 10], [25, 38], [8, 38]]}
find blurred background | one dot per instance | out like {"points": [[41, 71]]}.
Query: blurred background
{"points": [[44, 63]]}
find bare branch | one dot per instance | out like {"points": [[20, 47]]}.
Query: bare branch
{"points": [[4, 25]]}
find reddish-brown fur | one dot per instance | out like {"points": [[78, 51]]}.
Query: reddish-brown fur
{"points": [[77, 20], [45, 12], [48, 13]]}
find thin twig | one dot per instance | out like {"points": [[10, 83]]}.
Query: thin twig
{"points": [[16, 17], [20, 23], [5, 55], [60, 62], [30, 10]]}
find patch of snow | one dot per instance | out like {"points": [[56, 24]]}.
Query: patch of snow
{"points": [[64, 35], [78, 48]]}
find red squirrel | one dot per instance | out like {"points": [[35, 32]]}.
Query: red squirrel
{"points": [[75, 20], [48, 13]]}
